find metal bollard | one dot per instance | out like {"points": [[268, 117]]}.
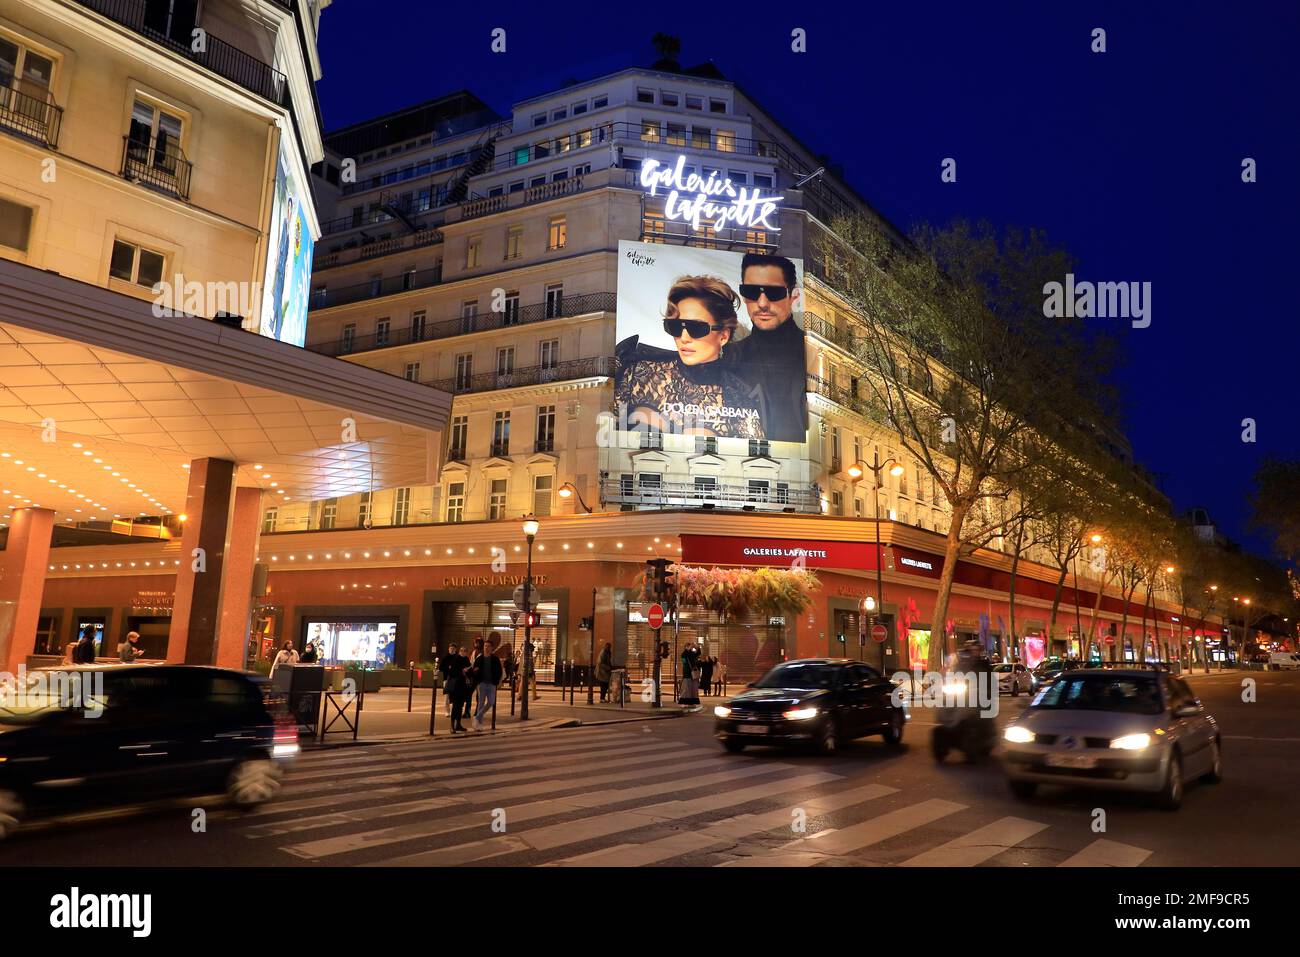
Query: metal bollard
{"points": [[494, 712], [513, 680], [410, 686]]}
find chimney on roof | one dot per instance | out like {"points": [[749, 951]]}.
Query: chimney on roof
{"points": [[667, 46]]}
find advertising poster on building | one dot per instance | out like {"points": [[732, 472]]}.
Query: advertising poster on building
{"points": [[289, 252], [711, 342], [372, 642]]}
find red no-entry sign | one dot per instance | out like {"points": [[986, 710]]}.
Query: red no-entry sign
{"points": [[879, 633], [655, 616]]}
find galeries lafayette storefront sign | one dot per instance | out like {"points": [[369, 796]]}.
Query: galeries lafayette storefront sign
{"points": [[777, 552]]}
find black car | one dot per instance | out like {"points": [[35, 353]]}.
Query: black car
{"points": [[1048, 671], [108, 735], [822, 702]]}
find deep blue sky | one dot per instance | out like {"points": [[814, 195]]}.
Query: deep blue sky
{"points": [[1130, 158]]}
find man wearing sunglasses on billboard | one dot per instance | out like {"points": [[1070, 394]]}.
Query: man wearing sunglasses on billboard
{"points": [[773, 352]]}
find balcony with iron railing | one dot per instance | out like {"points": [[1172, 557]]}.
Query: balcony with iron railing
{"points": [[242, 69], [685, 493], [160, 167], [566, 307], [829, 331], [845, 398], [376, 249], [525, 376], [325, 297], [30, 117]]}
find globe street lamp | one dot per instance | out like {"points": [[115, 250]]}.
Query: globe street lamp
{"points": [[530, 532], [855, 473]]}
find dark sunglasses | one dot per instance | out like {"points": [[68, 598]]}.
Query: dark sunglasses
{"points": [[752, 291], [697, 328]]}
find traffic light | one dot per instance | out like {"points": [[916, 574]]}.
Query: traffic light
{"points": [[659, 577], [530, 620], [663, 649]]}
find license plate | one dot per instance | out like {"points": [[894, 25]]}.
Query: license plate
{"points": [[753, 729], [1071, 761]]}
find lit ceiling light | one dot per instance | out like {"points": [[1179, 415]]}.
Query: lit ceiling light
{"points": [[76, 445], [449, 551], [591, 544]]}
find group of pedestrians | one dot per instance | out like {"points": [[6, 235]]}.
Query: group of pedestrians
{"points": [[700, 674], [479, 673], [288, 655], [82, 651]]}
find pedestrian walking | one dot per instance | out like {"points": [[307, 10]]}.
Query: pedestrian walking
{"points": [[690, 693], [488, 673], [455, 684], [471, 677], [706, 676], [604, 669], [129, 649], [285, 656], [721, 673]]}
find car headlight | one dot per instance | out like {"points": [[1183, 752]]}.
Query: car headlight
{"points": [[722, 711], [1018, 735], [954, 687], [1131, 742], [801, 714]]}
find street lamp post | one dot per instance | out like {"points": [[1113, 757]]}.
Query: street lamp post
{"points": [[568, 489], [530, 532], [591, 661], [855, 472]]}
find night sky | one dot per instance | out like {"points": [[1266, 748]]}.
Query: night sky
{"points": [[1131, 159]]}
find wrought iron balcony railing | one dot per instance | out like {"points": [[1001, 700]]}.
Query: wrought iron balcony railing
{"points": [[163, 168], [242, 69], [528, 375], [35, 118], [686, 494], [565, 308]]}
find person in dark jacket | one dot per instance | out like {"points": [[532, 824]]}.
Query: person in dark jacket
{"points": [[604, 669], [452, 668], [706, 676], [488, 672], [84, 653]]}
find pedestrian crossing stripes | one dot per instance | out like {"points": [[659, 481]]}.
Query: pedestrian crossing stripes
{"points": [[616, 798]]}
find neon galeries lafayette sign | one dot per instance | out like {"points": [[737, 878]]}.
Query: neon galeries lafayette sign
{"points": [[713, 199]]}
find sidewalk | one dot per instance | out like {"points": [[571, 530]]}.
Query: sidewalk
{"points": [[384, 717]]}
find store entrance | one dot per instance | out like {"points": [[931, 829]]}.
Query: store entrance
{"points": [[153, 630], [460, 622]]}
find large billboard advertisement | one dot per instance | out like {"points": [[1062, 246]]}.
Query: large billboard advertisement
{"points": [[289, 251], [710, 342]]}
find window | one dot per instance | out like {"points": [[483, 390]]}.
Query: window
{"points": [[456, 502], [701, 137], [363, 509], [857, 507], [382, 327], [329, 513], [667, 99], [738, 176], [497, 499], [920, 482], [402, 506], [545, 428], [835, 448], [537, 181], [705, 486], [269, 518], [759, 447], [412, 372], [408, 278], [516, 187], [30, 76], [584, 138], [459, 438], [857, 448], [557, 234], [554, 300], [902, 484], [514, 241], [717, 106], [579, 109], [600, 102], [559, 175], [501, 434], [468, 310], [726, 141], [505, 360], [648, 483], [548, 353], [625, 484], [153, 152], [651, 438], [560, 114], [473, 252], [653, 227], [645, 96], [706, 445], [758, 489], [539, 119], [783, 493], [349, 336], [464, 371], [837, 503], [15, 225], [542, 494], [510, 315], [676, 134], [132, 263], [763, 180], [694, 102], [417, 325], [649, 131]]}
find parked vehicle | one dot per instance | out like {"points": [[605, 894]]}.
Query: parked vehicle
{"points": [[1048, 671], [1120, 729], [1013, 679], [1283, 661], [821, 702], [139, 732]]}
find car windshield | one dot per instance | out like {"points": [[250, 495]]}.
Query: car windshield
{"points": [[1122, 693], [799, 675]]}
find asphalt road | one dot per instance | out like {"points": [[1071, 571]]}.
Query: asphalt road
{"points": [[663, 793]]}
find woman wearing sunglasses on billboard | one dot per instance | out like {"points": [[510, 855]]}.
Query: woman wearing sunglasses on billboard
{"points": [[691, 390]]}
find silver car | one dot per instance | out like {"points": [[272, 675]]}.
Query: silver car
{"points": [[1121, 729]]}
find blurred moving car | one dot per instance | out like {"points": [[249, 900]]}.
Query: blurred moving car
{"points": [[1133, 730], [1048, 671], [1013, 678], [135, 733], [1283, 661], [823, 702]]}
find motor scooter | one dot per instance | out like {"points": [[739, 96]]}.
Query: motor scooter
{"points": [[962, 725]]}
